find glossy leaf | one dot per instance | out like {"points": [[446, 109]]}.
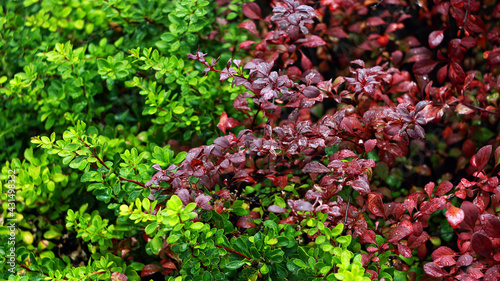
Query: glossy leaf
{"points": [[455, 216], [435, 38]]}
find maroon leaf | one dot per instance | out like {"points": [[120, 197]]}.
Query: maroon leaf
{"points": [[311, 91], [250, 26], [245, 221], [168, 264], [360, 185], [442, 73], [246, 43], [404, 250], [375, 204], [370, 145], [435, 204], [252, 10], [314, 41], [401, 231], [305, 62], [301, 205], [435, 38], [227, 122], [481, 244], [223, 193], [465, 260], [434, 270], [497, 150], [492, 274], [443, 188], [276, 209], [456, 73], [374, 21], [480, 160], [491, 225], [471, 212], [444, 256], [336, 32], [203, 201], [150, 269], [455, 216], [315, 168], [423, 67]]}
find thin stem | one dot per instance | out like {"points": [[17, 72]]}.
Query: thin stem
{"points": [[233, 251]]}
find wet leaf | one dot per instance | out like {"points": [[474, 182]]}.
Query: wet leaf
{"points": [[404, 229], [455, 216], [435, 38], [481, 244], [252, 10]]}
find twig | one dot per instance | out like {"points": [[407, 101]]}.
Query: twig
{"points": [[233, 251]]}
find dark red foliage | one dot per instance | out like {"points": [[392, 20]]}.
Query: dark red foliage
{"points": [[398, 95]]}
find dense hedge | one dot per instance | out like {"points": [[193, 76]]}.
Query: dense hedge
{"points": [[233, 140]]}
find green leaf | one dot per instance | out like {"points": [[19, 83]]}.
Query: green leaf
{"points": [[150, 228], [300, 263], [174, 203], [197, 225], [156, 243], [179, 110], [235, 265]]}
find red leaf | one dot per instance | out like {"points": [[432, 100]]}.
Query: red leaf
{"points": [[344, 153], [434, 270], [492, 274], [315, 168], [429, 188], [360, 185], [491, 225], [223, 193], [245, 222], [150, 269], [375, 204], [404, 250], [305, 62], [442, 73], [423, 67], [497, 150], [435, 38], [169, 264], [370, 145], [314, 41], [374, 21], [246, 43], [289, 220], [227, 122], [336, 32], [456, 73], [250, 26], [481, 244], [471, 212], [465, 260], [443, 188], [404, 229], [441, 252], [252, 10], [429, 207], [455, 216], [480, 160]]}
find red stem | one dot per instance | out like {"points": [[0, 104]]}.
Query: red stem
{"points": [[233, 251]]}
